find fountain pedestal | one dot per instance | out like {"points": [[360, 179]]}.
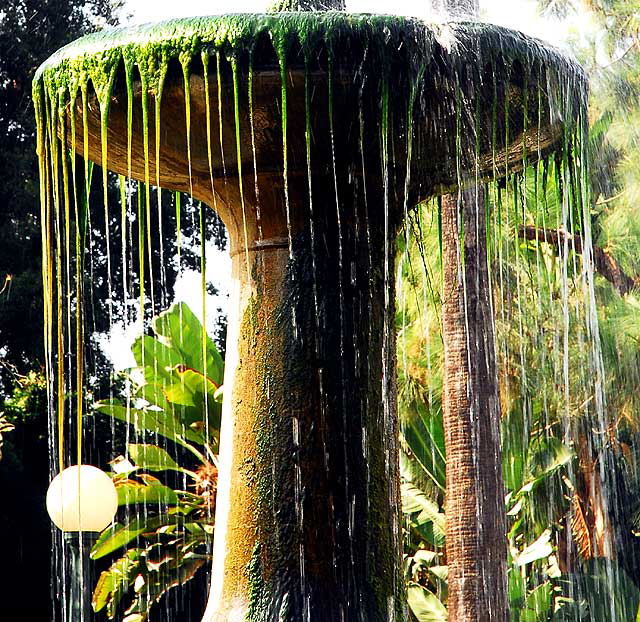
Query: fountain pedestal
{"points": [[307, 525]]}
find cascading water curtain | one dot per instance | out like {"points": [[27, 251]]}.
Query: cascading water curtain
{"points": [[557, 435], [314, 137], [113, 246], [134, 380]]}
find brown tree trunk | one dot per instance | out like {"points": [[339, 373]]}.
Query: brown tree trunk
{"points": [[476, 540], [603, 262]]}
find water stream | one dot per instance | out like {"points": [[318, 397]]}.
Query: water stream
{"points": [[322, 141]]}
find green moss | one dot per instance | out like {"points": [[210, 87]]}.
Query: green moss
{"points": [[256, 584], [150, 46], [280, 6]]}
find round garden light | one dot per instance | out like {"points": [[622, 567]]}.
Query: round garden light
{"points": [[82, 498], [81, 501]]}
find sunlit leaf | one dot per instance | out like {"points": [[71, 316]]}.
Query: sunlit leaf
{"points": [[119, 535], [425, 605], [132, 493], [539, 549], [152, 458]]}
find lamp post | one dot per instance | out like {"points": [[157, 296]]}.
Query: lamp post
{"points": [[81, 501]]}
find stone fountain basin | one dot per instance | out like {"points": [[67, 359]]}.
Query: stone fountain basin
{"points": [[444, 81], [312, 138]]}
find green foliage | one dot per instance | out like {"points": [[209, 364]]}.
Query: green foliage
{"points": [[424, 605], [609, 594], [26, 403], [30, 30], [178, 396], [28, 398], [5, 427], [529, 298], [166, 531]]}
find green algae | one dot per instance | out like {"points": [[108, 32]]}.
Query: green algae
{"points": [[204, 57], [220, 121], [280, 6], [158, 100], [144, 100], [281, 47], [152, 46], [250, 96], [236, 114], [255, 578], [185, 62], [54, 150]]}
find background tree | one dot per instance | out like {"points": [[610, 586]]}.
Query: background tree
{"points": [[587, 503]]}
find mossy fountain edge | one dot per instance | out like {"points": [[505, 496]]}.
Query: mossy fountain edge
{"points": [[462, 48]]}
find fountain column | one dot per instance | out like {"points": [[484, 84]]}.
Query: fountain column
{"points": [[307, 513]]}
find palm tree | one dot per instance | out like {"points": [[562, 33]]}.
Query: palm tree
{"points": [[476, 545]]}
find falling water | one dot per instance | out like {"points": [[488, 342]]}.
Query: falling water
{"points": [[335, 134]]}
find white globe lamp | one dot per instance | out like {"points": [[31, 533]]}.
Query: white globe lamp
{"points": [[81, 501], [82, 498]]}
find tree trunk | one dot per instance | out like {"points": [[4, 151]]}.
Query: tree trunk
{"points": [[476, 541]]}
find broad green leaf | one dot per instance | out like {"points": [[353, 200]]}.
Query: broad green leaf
{"points": [[514, 450], [425, 557], [203, 391], [161, 422], [539, 549], [180, 329], [424, 436], [442, 572], [611, 593], [189, 387], [177, 393], [414, 501], [132, 493], [113, 583], [517, 588], [546, 456], [198, 383], [425, 605], [157, 359], [119, 535], [158, 583], [152, 458], [537, 604], [154, 393]]}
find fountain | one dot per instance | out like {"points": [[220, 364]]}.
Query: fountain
{"points": [[312, 135]]}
